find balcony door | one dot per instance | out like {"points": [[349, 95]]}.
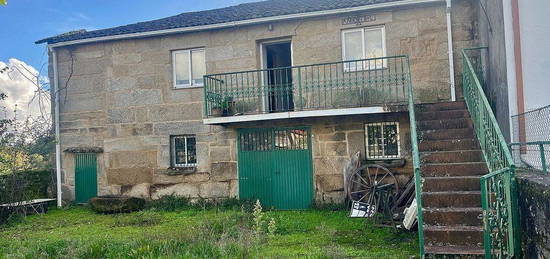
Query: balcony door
{"points": [[277, 60]]}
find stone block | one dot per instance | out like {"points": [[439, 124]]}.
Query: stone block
{"points": [[214, 190], [160, 177], [130, 159], [87, 68], [356, 142], [89, 102], [329, 165], [130, 176], [338, 136], [224, 171], [137, 97], [182, 189], [125, 130], [121, 83], [203, 159], [234, 189], [121, 115], [220, 154], [330, 183], [139, 191], [336, 149], [132, 143], [176, 112], [126, 58], [333, 197], [67, 192], [85, 84], [179, 128]]}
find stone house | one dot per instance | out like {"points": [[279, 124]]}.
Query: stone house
{"points": [[267, 99]]}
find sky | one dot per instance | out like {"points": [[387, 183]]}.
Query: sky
{"points": [[26, 21]]}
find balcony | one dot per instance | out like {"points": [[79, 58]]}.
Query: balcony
{"points": [[339, 88]]}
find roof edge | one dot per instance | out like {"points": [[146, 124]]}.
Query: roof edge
{"points": [[236, 23]]}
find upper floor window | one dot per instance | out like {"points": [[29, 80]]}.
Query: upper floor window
{"points": [[188, 67], [382, 140], [183, 151], [364, 43]]}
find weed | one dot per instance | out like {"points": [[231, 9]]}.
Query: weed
{"points": [[141, 218], [197, 233]]}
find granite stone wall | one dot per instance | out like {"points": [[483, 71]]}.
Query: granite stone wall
{"points": [[534, 210], [118, 96]]}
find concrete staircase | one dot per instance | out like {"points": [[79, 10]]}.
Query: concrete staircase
{"points": [[451, 165]]}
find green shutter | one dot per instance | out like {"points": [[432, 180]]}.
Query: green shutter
{"points": [[85, 177]]}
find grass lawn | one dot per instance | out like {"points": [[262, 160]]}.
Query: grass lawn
{"points": [[77, 232]]}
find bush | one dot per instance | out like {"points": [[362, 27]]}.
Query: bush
{"points": [[178, 203], [116, 204], [26, 185]]}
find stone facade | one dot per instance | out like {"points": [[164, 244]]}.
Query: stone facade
{"points": [[118, 96], [534, 210]]}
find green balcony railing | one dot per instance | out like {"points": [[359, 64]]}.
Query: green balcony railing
{"points": [[346, 84], [498, 188]]}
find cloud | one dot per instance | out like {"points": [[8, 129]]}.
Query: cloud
{"points": [[21, 91]]}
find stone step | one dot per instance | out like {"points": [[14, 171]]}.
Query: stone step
{"points": [[443, 106], [442, 115], [445, 124], [448, 145], [452, 216], [471, 236], [466, 252], [453, 169], [451, 183], [447, 134], [451, 199], [461, 156]]}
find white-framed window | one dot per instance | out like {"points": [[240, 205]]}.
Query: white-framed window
{"points": [[382, 140], [188, 67], [183, 151], [364, 43]]}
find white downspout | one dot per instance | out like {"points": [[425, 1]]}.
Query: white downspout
{"points": [[450, 47], [56, 122]]}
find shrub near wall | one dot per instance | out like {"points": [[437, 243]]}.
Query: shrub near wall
{"points": [[26, 185]]}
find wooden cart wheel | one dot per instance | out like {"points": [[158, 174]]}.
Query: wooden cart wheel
{"points": [[366, 179]]}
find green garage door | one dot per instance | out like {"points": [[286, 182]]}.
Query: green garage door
{"points": [[275, 167], [85, 177]]}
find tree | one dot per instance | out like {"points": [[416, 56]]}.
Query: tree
{"points": [[3, 2]]}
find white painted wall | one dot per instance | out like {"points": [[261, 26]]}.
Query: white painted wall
{"points": [[535, 49]]}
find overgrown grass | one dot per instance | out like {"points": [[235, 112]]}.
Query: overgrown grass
{"points": [[194, 232]]}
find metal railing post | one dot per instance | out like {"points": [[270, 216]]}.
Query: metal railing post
{"points": [[543, 158]]}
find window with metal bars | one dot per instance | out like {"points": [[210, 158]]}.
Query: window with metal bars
{"points": [[382, 140], [183, 151]]}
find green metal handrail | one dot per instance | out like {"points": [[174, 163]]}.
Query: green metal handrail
{"points": [[498, 188], [345, 84], [541, 150], [416, 165]]}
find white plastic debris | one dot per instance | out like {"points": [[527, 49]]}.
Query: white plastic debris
{"points": [[410, 215]]}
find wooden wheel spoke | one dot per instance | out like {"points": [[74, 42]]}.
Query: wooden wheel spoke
{"points": [[376, 176], [383, 177], [361, 184], [363, 179]]}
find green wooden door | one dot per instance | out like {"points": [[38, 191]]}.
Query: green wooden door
{"points": [[85, 177], [275, 167]]}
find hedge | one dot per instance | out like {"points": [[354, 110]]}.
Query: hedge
{"points": [[26, 185]]}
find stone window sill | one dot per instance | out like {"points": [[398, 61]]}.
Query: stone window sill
{"points": [[181, 170], [388, 162]]}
